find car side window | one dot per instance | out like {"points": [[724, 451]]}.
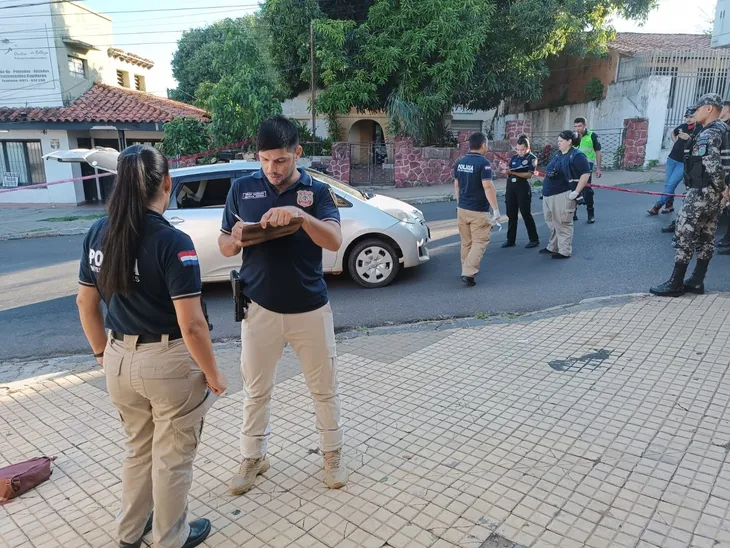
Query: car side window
{"points": [[208, 190], [339, 201]]}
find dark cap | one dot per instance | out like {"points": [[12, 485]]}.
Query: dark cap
{"points": [[689, 112], [712, 99]]}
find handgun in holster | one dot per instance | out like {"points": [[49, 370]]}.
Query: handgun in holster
{"points": [[240, 301], [205, 313]]}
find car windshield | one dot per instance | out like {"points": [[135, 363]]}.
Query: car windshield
{"points": [[347, 189]]}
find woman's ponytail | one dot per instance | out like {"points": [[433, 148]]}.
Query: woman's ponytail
{"points": [[140, 172]]}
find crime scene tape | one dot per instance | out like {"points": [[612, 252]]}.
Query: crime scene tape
{"points": [[107, 174], [51, 183], [605, 187]]}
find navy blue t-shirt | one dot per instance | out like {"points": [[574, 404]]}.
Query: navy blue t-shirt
{"points": [[569, 166], [166, 269], [521, 164], [470, 171], [282, 275]]}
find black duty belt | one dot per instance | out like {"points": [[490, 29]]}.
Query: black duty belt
{"points": [[147, 339]]}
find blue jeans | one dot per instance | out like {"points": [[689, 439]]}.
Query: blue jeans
{"points": [[674, 176]]}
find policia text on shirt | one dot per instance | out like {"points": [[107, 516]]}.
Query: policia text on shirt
{"points": [[283, 279]]}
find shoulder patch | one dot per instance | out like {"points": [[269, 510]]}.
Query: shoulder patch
{"points": [[188, 258], [701, 150]]}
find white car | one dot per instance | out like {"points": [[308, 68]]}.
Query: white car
{"points": [[380, 235]]}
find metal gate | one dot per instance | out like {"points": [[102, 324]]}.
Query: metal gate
{"points": [[372, 164], [545, 146], [693, 73]]}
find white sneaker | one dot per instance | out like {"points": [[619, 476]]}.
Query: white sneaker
{"points": [[245, 479], [335, 471]]}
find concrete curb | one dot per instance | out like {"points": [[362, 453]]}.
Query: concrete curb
{"points": [[44, 234], [461, 323]]}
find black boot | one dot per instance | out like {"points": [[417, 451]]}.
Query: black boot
{"points": [[696, 282], [674, 287], [669, 229], [591, 216]]}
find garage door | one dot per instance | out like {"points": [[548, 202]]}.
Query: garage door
{"points": [[468, 125]]}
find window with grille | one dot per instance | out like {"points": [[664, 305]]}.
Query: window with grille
{"points": [[77, 67], [122, 79], [21, 163]]}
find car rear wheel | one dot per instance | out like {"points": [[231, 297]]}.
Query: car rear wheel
{"points": [[373, 263]]}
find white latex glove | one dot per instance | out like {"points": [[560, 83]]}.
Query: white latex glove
{"points": [[573, 195], [496, 216]]}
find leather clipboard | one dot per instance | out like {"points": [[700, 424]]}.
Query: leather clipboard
{"points": [[253, 233]]}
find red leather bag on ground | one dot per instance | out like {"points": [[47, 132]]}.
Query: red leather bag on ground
{"points": [[16, 479]]}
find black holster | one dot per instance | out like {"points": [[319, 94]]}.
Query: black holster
{"points": [[205, 313], [240, 301]]}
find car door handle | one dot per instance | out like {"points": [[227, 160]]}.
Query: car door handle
{"points": [[176, 220]]}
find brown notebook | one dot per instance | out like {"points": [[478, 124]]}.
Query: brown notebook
{"points": [[253, 233]]}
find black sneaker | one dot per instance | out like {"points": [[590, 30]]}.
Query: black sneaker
{"points": [[560, 256], [508, 244], [546, 251], [469, 280], [532, 244]]}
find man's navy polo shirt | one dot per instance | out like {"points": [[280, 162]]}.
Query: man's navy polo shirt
{"points": [[470, 171], [282, 275], [166, 269]]}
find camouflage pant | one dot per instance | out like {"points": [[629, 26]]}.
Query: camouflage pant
{"points": [[696, 224]]}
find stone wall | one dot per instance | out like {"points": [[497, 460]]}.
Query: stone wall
{"points": [[514, 128], [636, 134], [427, 166], [339, 164]]}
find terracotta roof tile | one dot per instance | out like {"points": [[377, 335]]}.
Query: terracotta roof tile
{"points": [[638, 42], [103, 103]]}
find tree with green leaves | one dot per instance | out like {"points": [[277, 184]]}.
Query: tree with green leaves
{"points": [[225, 69], [417, 59], [184, 136]]}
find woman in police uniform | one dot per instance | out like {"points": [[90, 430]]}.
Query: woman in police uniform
{"points": [[157, 354], [518, 195], [567, 168]]}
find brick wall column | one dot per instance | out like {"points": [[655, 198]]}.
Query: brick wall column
{"points": [[403, 150], [636, 132], [515, 128], [340, 163]]}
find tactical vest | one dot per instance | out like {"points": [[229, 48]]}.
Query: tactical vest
{"points": [[695, 172], [586, 146]]}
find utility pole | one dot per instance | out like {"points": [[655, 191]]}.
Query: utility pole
{"points": [[313, 84]]}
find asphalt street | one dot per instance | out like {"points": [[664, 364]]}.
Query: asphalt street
{"points": [[624, 252]]}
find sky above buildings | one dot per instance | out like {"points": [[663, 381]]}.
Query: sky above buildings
{"points": [[154, 34]]}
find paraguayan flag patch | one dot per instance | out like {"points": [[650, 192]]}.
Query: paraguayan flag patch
{"points": [[188, 258]]}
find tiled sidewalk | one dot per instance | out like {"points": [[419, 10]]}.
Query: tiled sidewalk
{"points": [[601, 428]]}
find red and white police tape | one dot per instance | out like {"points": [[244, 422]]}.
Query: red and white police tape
{"points": [[605, 187], [107, 174], [45, 185]]}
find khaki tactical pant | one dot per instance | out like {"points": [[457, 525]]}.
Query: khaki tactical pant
{"points": [[475, 229], [263, 337], [162, 398], [558, 210]]}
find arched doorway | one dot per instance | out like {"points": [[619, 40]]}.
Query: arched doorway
{"points": [[371, 158]]}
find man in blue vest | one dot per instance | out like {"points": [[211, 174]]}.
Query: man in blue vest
{"points": [[589, 146]]}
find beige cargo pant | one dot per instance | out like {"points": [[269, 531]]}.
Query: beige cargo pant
{"points": [[162, 397], [263, 337], [558, 210], [475, 229]]}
